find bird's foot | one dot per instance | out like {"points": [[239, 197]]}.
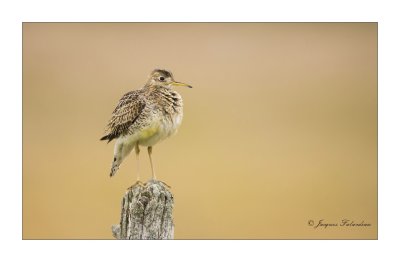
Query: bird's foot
{"points": [[159, 181], [137, 183]]}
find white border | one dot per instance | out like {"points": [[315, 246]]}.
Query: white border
{"points": [[14, 12]]}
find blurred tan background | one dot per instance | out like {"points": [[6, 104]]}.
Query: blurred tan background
{"points": [[280, 127]]}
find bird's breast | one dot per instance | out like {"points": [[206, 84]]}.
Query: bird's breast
{"points": [[171, 123], [160, 128]]}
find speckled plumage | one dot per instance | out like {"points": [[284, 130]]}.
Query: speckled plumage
{"points": [[146, 116]]}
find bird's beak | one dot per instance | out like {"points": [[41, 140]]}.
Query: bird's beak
{"points": [[180, 84]]}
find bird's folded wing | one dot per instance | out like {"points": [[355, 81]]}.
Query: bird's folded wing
{"points": [[129, 108]]}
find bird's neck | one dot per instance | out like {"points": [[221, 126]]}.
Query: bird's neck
{"points": [[157, 89]]}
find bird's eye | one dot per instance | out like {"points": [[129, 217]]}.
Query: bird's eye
{"points": [[161, 78]]}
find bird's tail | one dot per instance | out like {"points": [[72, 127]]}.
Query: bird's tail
{"points": [[108, 137], [114, 167]]}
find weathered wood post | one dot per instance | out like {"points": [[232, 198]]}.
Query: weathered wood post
{"points": [[146, 213]]}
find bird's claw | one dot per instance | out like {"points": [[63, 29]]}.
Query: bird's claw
{"points": [[137, 183], [159, 181]]}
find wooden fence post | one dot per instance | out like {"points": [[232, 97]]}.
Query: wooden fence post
{"points": [[146, 213]]}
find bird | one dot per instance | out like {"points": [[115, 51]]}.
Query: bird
{"points": [[144, 117]]}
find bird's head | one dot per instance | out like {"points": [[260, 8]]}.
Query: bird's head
{"points": [[164, 78]]}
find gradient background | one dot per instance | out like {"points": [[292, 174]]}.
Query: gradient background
{"points": [[280, 127]]}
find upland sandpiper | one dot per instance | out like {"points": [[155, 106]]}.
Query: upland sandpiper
{"points": [[144, 117]]}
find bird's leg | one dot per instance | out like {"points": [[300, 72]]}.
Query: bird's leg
{"points": [[137, 151], [150, 150]]}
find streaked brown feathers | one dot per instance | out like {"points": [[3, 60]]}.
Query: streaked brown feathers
{"points": [[124, 115]]}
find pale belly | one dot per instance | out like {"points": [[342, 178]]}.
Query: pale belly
{"points": [[158, 131]]}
